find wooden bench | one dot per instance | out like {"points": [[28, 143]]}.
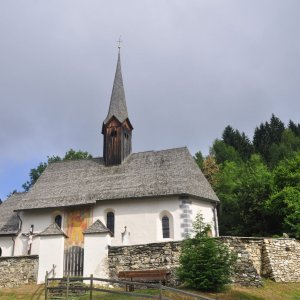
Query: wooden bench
{"points": [[144, 276]]}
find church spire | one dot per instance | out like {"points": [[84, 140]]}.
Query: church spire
{"points": [[117, 129], [117, 107]]}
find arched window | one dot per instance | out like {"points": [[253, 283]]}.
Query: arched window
{"points": [[58, 220], [110, 222], [165, 227], [0, 251]]}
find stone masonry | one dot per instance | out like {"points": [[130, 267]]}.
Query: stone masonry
{"points": [[151, 256], [18, 270], [281, 260], [249, 260], [277, 259]]}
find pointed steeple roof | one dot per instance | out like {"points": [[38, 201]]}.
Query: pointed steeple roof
{"points": [[117, 105]]}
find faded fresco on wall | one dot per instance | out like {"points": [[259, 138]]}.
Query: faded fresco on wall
{"points": [[77, 221]]}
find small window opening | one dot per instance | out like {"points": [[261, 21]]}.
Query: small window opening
{"points": [[165, 227], [110, 222], [113, 133], [58, 220], [0, 251]]}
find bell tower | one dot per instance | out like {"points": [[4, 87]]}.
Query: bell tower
{"points": [[116, 128]]}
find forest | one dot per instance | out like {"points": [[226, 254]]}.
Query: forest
{"points": [[258, 180]]}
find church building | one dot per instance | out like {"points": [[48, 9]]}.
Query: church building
{"points": [[78, 209]]}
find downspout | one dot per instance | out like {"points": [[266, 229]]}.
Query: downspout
{"points": [[19, 230], [13, 248], [216, 219]]}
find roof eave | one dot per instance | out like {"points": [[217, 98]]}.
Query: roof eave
{"points": [[8, 234], [137, 197]]}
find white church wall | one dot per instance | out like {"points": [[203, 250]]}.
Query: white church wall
{"points": [[40, 219], [21, 245], [96, 252], [206, 209], [140, 216], [6, 245], [51, 253]]}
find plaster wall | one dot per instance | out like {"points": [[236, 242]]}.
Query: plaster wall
{"points": [[206, 209], [51, 253], [6, 245], [143, 218], [40, 219], [96, 253]]}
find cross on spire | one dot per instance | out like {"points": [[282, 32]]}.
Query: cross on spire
{"points": [[119, 41]]}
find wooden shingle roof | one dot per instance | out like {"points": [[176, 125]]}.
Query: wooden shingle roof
{"points": [[9, 221], [117, 106], [52, 229], [144, 174]]}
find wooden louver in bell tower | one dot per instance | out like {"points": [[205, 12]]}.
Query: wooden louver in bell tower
{"points": [[117, 129]]}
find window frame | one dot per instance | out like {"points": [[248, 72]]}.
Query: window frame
{"points": [[55, 220], [110, 222], [165, 223]]}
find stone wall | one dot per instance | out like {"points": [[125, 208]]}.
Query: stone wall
{"points": [[281, 260], [18, 270], [151, 256], [278, 259], [249, 259]]}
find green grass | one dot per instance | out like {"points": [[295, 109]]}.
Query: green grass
{"points": [[271, 290]]}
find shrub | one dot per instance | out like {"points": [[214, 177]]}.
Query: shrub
{"points": [[205, 263]]}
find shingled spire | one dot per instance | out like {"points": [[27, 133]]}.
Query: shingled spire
{"points": [[117, 107], [117, 128]]}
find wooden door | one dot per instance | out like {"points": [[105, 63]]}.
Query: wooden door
{"points": [[73, 261]]}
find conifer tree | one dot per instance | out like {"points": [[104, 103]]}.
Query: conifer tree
{"points": [[205, 263]]}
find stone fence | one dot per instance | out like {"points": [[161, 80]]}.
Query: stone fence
{"points": [[18, 270], [277, 259], [149, 256]]}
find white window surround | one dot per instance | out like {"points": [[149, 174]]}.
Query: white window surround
{"points": [[55, 214], [171, 226]]}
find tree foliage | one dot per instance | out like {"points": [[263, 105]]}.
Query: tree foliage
{"points": [[258, 181], [199, 159], [223, 152], [35, 173], [243, 189], [267, 135], [210, 169], [239, 141], [205, 263], [284, 205]]}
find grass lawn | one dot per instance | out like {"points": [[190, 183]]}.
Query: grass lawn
{"points": [[271, 290]]}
